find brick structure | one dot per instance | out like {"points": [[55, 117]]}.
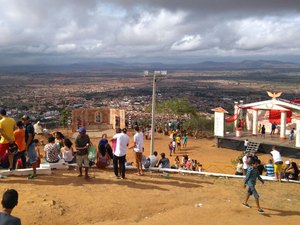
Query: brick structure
{"points": [[98, 118]]}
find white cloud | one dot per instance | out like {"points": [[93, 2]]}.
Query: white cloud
{"points": [[188, 43], [151, 28], [147, 29]]}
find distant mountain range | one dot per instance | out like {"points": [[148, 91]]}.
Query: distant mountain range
{"points": [[121, 66]]}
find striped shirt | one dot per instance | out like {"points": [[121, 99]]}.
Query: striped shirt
{"points": [[270, 170]]}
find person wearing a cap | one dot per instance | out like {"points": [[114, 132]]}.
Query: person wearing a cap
{"points": [[277, 163], [120, 152], [7, 127], [30, 145], [82, 144]]}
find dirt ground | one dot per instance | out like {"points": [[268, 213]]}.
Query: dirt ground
{"points": [[64, 198]]}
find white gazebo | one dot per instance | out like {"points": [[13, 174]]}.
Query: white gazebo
{"points": [[281, 105]]}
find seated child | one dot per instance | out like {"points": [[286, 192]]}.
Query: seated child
{"points": [[68, 152]]}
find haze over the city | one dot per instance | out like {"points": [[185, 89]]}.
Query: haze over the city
{"points": [[169, 31]]}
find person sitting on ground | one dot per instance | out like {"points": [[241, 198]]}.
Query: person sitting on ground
{"points": [[145, 162], [102, 145], [176, 164], [9, 201], [200, 168], [184, 160], [51, 151], [270, 169], [103, 158], [68, 151], [188, 164], [292, 172], [285, 168], [164, 162], [59, 140], [260, 167], [245, 160], [239, 168], [153, 159]]}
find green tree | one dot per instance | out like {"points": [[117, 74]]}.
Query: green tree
{"points": [[64, 117], [178, 107], [199, 126]]}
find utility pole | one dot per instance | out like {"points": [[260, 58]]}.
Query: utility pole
{"points": [[156, 76]]}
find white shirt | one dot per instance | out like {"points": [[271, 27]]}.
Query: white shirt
{"points": [[138, 139], [121, 146], [153, 160], [68, 155], [174, 144], [276, 156], [245, 162]]}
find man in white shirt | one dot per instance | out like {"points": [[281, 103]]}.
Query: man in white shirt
{"points": [[138, 148], [153, 159], [120, 152], [277, 163]]}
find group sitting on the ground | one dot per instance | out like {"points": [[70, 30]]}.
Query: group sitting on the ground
{"points": [[289, 171]]}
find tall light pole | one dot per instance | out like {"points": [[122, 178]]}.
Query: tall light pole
{"points": [[156, 75]]}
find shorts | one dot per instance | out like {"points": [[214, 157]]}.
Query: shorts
{"points": [[277, 168], [138, 157], [83, 159], [3, 149], [252, 191], [31, 153]]}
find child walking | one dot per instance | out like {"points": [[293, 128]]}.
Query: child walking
{"points": [[250, 180]]}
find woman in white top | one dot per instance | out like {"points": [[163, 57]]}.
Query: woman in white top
{"points": [[67, 151]]}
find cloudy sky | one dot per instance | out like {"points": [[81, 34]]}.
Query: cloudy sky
{"points": [[169, 31]]}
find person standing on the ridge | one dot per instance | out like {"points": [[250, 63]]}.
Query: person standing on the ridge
{"points": [[138, 148], [82, 144], [30, 145], [246, 142], [19, 135], [263, 131], [250, 180], [277, 163], [7, 127], [120, 152], [273, 128]]}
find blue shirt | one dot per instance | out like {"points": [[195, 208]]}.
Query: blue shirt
{"points": [[251, 176], [6, 219], [270, 170]]}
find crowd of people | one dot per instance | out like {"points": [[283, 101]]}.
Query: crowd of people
{"points": [[273, 168]]}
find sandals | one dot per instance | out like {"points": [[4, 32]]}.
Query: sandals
{"points": [[31, 176], [260, 210], [246, 205]]}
